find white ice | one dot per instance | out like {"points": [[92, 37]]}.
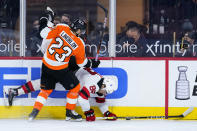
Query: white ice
{"points": [[99, 125]]}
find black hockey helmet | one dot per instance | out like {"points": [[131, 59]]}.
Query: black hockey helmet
{"points": [[79, 24]]}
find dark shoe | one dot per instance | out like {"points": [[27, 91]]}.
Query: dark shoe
{"points": [[11, 94], [72, 115], [33, 114]]}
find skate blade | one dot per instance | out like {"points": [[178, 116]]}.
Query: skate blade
{"points": [[30, 119], [73, 120]]}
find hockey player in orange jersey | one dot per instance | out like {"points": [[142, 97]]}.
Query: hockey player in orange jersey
{"points": [[64, 43], [99, 93]]}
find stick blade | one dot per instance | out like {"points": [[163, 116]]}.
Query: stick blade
{"points": [[188, 111]]}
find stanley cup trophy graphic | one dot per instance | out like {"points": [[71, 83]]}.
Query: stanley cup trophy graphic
{"points": [[182, 85]]}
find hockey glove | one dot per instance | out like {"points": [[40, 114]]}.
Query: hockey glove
{"points": [[109, 114], [90, 115], [95, 63]]}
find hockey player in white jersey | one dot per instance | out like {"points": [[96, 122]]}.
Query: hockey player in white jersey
{"points": [[93, 85]]}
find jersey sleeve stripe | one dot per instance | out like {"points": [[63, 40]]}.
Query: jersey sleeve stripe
{"points": [[84, 63]]}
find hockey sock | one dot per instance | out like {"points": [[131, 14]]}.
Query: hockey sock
{"points": [[83, 99], [84, 93], [102, 104], [26, 88], [42, 98], [29, 87], [72, 97]]}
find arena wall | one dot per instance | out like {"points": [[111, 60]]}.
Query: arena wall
{"points": [[145, 87]]}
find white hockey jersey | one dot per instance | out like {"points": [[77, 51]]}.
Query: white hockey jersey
{"points": [[89, 78]]}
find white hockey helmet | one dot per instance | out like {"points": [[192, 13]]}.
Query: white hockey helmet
{"points": [[110, 86]]}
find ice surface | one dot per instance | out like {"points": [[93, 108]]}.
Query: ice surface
{"points": [[99, 125]]}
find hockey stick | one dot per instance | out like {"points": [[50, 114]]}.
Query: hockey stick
{"points": [[103, 30], [149, 117]]}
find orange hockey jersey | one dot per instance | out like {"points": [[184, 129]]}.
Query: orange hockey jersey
{"points": [[64, 44]]}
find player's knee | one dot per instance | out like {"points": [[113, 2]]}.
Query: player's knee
{"points": [[76, 89], [72, 95], [46, 92]]}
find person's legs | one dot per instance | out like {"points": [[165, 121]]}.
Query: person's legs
{"points": [[40, 101], [47, 86], [71, 83], [28, 87], [72, 97]]}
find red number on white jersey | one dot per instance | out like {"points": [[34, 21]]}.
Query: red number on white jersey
{"points": [[93, 89]]}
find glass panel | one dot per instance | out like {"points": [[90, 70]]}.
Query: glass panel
{"points": [[173, 23], [131, 40], [65, 10], [9, 28], [156, 28]]}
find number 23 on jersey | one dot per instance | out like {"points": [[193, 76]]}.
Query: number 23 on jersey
{"points": [[59, 45]]}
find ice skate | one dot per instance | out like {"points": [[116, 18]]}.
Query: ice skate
{"points": [[11, 94], [72, 115], [33, 114]]}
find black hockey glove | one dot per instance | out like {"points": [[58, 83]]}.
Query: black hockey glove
{"points": [[95, 63], [92, 63]]}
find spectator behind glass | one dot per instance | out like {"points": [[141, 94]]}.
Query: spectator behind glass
{"points": [[131, 42], [9, 35], [94, 38], [66, 19], [57, 20], [188, 43], [34, 41]]}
